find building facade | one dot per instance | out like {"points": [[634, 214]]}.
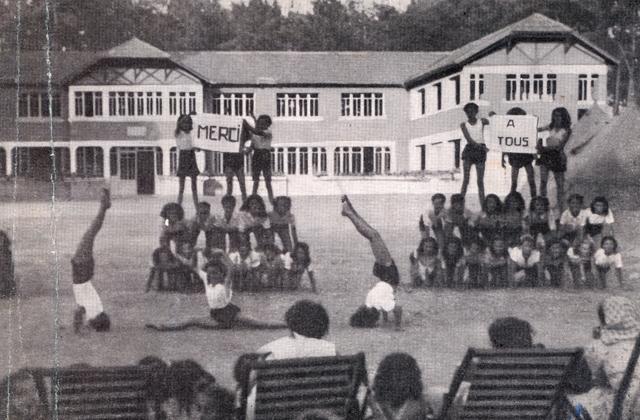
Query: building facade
{"points": [[111, 115]]}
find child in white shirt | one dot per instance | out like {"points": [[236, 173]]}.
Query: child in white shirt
{"points": [[573, 219], [526, 262], [606, 258]]}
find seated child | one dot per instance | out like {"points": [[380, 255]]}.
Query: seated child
{"points": [[173, 225], [512, 224], [382, 297], [301, 264], [606, 258], [599, 219], [488, 223], [556, 263], [581, 263], [496, 264], [526, 262], [436, 216], [253, 218], [473, 259], [165, 268], [223, 314], [573, 219], [89, 305], [187, 276], [539, 221], [453, 262], [202, 222], [460, 218], [283, 223], [274, 267], [426, 270], [226, 225], [246, 267]]}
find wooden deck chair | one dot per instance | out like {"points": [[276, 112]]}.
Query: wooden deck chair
{"points": [[618, 403], [511, 383], [286, 388], [88, 393]]}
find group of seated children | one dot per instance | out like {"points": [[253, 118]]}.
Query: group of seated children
{"points": [[507, 245], [263, 266]]}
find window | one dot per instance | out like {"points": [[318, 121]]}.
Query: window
{"points": [[90, 162], [531, 87], [213, 162], [422, 150], [113, 161], [456, 86], [3, 162], [318, 160], [36, 105], [525, 87], [362, 105], [127, 163], [538, 85], [552, 86], [438, 87], [300, 105], [291, 160], [512, 87], [277, 160], [159, 169], [423, 101], [303, 156], [476, 86], [173, 104], [173, 161], [235, 104], [356, 160], [88, 104], [587, 86]]}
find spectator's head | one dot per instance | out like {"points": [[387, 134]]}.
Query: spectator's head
{"points": [[172, 212], [364, 317], [587, 248], [184, 378], [255, 206], [317, 415], [282, 204], [576, 203], [516, 111], [471, 109], [156, 390], [600, 205], [498, 247], [216, 271], [398, 379], [539, 205], [214, 402], [228, 204], [301, 254], [560, 118], [492, 204], [609, 244], [510, 332], [453, 249], [457, 202], [428, 247], [619, 319], [101, 323], [514, 202], [308, 319], [184, 124], [438, 200]]}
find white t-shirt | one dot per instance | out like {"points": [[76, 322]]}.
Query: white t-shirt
{"points": [[184, 141], [568, 219], [286, 260], [476, 131], [613, 260], [517, 257], [298, 346], [253, 259], [246, 221], [87, 297], [218, 296], [381, 297], [598, 219]]}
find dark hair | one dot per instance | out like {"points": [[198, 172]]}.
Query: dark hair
{"points": [[539, 199], [215, 262], [452, 259], [527, 238], [241, 369], [397, 380], [477, 241], [254, 197], [271, 247], [364, 317], [516, 198], [491, 249], [307, 254], [101, 323], [552, 241], [516, 111], [600, 199], [156, 389], [283, 199], [219, 403], [471, 106], [612, 239], [308, 319], [155, 257], [439, 196], [510, 332], [601, 316], [266, 118], [577, 197], [228, 199], [566, 118], [204, 204], [184, 377], [5, 240], [8, 408], [425, 241], [457, 198], [172, 207], [182, 118], [498, 203]]}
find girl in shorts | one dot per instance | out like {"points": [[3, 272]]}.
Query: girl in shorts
{"points": [[552, 157], [261, 137], [475, 152], [381, 298], [187, 165], [598, 219]]}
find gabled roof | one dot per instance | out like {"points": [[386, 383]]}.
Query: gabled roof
{"points": [[381, 68], [135, 48], [534, 26]]}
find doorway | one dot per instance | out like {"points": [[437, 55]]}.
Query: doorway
{"points": [[145, 177], [369, 166]]}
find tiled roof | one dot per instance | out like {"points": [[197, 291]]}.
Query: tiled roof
{"points": [[531, 25], [33, 66], [135, 48]]}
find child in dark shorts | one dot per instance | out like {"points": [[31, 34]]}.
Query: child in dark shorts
{"points": [[233, 164], [518, 161], [475, 152], [261, 137]]}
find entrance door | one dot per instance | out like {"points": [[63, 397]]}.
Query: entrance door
{"points": [[145, 177], [368, 160]]}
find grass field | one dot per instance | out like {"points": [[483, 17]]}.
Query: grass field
{"points": [[440, 325]]}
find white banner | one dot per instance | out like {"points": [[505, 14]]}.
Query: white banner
{"points": [[218, 133], [512, 133]]}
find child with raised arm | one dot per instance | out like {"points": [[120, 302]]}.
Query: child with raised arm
{"points": [[261, 137], [475, 152], [89, 306], [216, 275], [381, 298], [283, 223]]}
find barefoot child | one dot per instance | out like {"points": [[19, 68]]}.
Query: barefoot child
{"points": [[556, 264], [89, 305], [381, 298], [426, 269], [495, 264], [246, 267], [261, 159], [599, 219], [283, 223], [526, 262], [606, 258], [226, 225], [475, 152], [165, 268], [216, 275], [187, 165], [582, 263], [454, 263]]}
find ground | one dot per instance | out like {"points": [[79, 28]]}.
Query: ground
{"points": [[440, 325]]}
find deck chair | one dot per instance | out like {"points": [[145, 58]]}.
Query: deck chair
{"points": [[286, 388], [511, 383], [88, 393], [618, 403]]}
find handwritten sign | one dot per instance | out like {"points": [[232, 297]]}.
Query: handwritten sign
{"points": [[512, 133], [218, 133]]}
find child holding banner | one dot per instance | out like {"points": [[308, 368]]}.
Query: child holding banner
{"points": [[521, 160], [187, 166], [261, 160], [552, 157], [475, 152], [233, 164]]}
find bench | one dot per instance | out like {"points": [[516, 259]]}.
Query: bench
{"points": [[94, 393], [286, 388], [512, 383]]}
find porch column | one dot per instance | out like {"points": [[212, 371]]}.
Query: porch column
{"points": [[8, 152], [330, 160], [166, 160], [106, 163], [73, 163]]}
